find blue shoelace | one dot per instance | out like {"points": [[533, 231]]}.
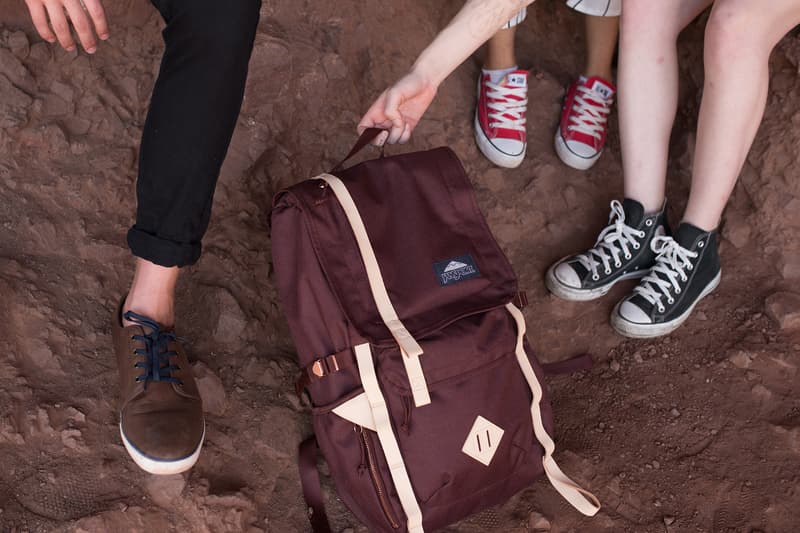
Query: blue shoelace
{"points": [[156, 365]]}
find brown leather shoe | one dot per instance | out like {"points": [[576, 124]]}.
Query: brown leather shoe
{"points": [[161, 413]]}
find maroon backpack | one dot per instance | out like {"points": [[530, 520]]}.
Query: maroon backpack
{"points": [[427, 401]]}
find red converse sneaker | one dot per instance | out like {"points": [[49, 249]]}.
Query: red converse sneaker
{"points": [[584, 122], [500, 118]]}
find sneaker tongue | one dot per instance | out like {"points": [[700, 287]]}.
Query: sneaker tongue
{"points": [[518, 78], [687, 234], [601, 87], [634, 212]]}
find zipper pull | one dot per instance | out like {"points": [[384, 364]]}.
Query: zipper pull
{"points": [[362, 467], [406, 424]]}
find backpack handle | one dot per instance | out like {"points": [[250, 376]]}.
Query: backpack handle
{"points": [[366, 137]]}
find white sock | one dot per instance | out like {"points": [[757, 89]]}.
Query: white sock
{"points": [[496, 76]]}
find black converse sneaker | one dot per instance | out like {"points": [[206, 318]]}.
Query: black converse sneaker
{"points": [[687, 269], [622, 251]]}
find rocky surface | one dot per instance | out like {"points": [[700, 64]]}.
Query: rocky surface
{"points": [[699, 431]]}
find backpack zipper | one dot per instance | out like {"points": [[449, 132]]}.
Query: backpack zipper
{"points": [[369, 454]]}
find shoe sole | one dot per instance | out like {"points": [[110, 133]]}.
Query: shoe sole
{"points": [[162, 467], [491, 152], [570, 158], [565, 292], [647, 331], [607, 8]]}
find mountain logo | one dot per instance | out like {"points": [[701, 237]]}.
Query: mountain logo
{"points": [[455, 265], [456, 269]]}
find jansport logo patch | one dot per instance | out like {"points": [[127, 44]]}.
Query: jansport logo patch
{"points": [[456, 269]]}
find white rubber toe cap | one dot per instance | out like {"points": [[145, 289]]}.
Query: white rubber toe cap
{"points": [[633, 313], [567, 275], [509, 147], [581, 149]]}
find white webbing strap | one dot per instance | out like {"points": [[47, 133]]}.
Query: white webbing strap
{"points": [[583, 500], [391, 450], [409, 347]]}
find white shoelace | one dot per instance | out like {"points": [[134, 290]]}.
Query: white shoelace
{"points": [[506, 111], [616, 238], [672, 261], [589, 113]]}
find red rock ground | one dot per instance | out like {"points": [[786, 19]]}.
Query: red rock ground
{"points": [[699, 431]]}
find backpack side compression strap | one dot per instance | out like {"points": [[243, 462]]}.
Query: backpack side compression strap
{"points": [[409, 347], [583, 500]]}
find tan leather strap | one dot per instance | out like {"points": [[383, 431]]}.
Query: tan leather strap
{"points": [[409, 347], [391, 450], [583, 500]]}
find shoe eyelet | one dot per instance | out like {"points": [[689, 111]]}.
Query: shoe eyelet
{"points": [[641, 234], [648, 222], [617, 264], [700, 244], [671, 301], [608, 271], [678, 290], [636, 246], [689, 267], [661, 309], [596, 277], [628, 256]]}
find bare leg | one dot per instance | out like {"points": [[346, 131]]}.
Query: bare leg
{"points": [[601, 41], [152, 292], [500, 50], [739, 39], [648, 92]]}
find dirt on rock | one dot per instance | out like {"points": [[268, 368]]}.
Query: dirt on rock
{"points": [[698, 431]]}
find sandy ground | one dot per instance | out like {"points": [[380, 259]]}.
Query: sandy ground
{"points": [[699, 431]]}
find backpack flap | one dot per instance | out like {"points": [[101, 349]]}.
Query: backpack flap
{"points": [[437, 257]]}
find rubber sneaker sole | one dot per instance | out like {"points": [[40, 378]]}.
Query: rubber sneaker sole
{"points": [[492, 153], [597, 8], [565, 292], [161, 467], [647, 331], [571, 159]]}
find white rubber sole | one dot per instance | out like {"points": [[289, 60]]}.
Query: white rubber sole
{"points": [[570, 159], [646, 331], [566, 292], [492, 153], [161, 468], [597, 8]]}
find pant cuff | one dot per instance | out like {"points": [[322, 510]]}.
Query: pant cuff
{"points": [[163, 252]]}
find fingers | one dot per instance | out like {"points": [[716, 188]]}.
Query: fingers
{"points": [[406, 135], [39, 17], [83, 28], [375, 118], [58, 20], [392, 112], [98, 14]]}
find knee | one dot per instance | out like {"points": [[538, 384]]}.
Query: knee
{"points": [[733, 31], [227, 28], [645, 20]]}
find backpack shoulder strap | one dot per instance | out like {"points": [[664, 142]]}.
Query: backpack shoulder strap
{"points": [[312, 489]]}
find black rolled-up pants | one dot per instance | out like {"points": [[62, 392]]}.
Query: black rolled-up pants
{"points": [[193, 112]]}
